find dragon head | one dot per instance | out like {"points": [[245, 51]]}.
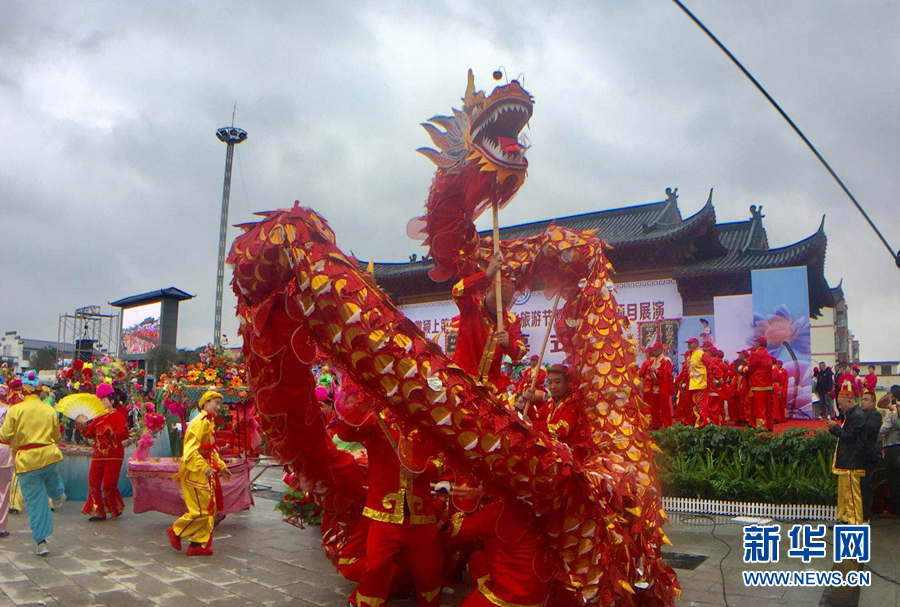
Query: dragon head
{"points": [[480, 162], [485, 132]]}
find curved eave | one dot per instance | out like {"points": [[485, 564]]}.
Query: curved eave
{"points": [[700, 223], [809, 250]]}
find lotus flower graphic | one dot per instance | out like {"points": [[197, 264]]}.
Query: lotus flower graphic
{"points": [[790, 332]]}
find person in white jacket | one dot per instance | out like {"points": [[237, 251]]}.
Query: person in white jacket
{"points": [[890, 434]]}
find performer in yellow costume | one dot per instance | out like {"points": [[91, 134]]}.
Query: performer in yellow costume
{"points": [[199, 475]]}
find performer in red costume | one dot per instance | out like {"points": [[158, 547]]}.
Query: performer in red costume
{"points": [[725, 388], [871, 380], [762, 401], [781, 391], [562, 416], [715, 380], [656, 375], [480, 346], [512, 570], [400, 507], [739, 408], [108, 431], [528, 374], [858, 384]]}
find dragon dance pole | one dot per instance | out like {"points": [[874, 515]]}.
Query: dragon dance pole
{"points": [[498, 286], [537, 370], [387, 433]]}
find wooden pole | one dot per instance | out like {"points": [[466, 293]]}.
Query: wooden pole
{"points": [[537, 370], [387, 433], [498, 286]]}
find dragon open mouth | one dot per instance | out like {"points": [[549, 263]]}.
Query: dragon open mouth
{"points": [[495, 131]]}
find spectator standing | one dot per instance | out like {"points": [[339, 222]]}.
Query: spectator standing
{"points": [[824, 386], [849, 458], [871, 430], [890, 432], [858, 385], [871, 380]]}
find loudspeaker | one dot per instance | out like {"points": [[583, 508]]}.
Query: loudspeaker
{"points": [[84, 349]]}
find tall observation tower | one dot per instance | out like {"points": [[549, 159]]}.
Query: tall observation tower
{"points": [[231, 136]]}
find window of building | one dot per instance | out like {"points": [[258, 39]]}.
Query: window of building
{"points": [[885, 370]]}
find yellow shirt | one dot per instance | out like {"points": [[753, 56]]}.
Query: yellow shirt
{"points": [[32, 422], [698, 371], [201, 431]]}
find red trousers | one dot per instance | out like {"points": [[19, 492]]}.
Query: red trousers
{"points": [[698, 401], [418, 547], [734, 408], [660, 410], [781, 408], [103, 488], [716, 410], [762, 405], [686, 408]]}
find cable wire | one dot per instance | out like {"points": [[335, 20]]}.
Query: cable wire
{"points": [[687, 517], [894, 255]]}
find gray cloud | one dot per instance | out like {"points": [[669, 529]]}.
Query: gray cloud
{"points": [[110, 176]]}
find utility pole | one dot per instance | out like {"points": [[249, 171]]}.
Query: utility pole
{"points": [[231, 136]]}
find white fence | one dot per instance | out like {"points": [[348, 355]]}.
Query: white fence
{"points": [[755, 509]]}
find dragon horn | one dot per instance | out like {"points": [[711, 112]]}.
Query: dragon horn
{"points": [[469, 99]]}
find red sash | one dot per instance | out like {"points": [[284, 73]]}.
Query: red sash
{"points": [[31, 446], [206, 450]]}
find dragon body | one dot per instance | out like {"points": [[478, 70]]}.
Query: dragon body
{"points": [[299, 295]]}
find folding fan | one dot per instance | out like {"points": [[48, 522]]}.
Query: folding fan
{"points": [[81, 403]]}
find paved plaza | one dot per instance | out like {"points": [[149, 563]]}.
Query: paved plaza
{"points": [[259, 560]]}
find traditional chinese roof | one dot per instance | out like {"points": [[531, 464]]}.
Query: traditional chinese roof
{"points": [[757, 258], [655, 235], [837, 293], [151, 296]]}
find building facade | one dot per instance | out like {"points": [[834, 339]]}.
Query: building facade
{"points": [[690, 269], [16, 351]]}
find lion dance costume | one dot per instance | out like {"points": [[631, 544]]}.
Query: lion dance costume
{"points": [[300, 297]]}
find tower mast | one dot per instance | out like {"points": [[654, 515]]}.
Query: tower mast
{"points": [[231, 136]]}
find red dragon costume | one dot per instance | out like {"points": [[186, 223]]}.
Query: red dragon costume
{"points": [[299, 295]]}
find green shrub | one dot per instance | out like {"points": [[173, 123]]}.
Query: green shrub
{"points": [[743, 464]]}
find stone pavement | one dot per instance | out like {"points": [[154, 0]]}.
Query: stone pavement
{"points": [[703, 586], [259, 560]]}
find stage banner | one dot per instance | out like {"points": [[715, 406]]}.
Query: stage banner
{"points": [[533, 309], [781, 315], [653, 300], [734, 323]]}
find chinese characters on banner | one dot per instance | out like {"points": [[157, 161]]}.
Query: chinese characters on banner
{"points": [[646, 300], [665, 331]]}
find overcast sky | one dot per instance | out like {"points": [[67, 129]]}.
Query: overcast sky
{"points": [[111, 174]]}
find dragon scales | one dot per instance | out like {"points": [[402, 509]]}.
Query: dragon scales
{"points": [[299, 294]]}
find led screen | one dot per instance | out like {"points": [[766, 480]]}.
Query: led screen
{"points": [[140, 328]]}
